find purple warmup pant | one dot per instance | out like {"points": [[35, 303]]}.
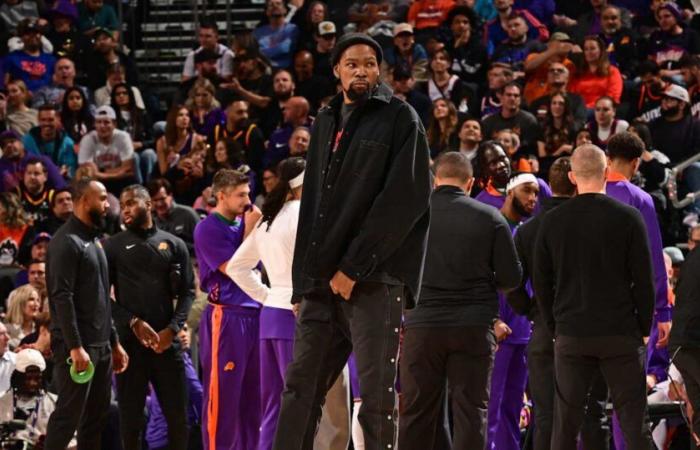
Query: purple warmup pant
{"points": [[506, 401], [276, 352], [230, 359]]}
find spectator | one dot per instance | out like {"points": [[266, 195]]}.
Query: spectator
{"points": [[12, 12], [365, 15], [299, 142], [558, 134], [35, 276], [116, 74], [605, 124], [277, 39], [250, 82], [589, 22], [108, 153], [29, 64], [61, 204], [498, 76], [514, 118], [671, 41], [63, 35], [426, 16], [14, 160], [653, 165], [646, 100], [515, 49], [239, 128], [33, 192], [95, 15], [137, 123], [677, 134], [595, 77], [442, 84], [470, 58], [14, 223], [269, 181], [178, 140], [224, 154], [557, 83], [403, 83], [442, 129], [205, 109], [309, 85], [307, 19], [104, 55], [22, 307], [205, 63], [208, 35], [324, 41], [63, 78], [537, 64], [295, 114], [7, 359], [50, 140], [76, 117], [283, 88], [693, 237], [583, 137], [690, 71], [521, 160], [495, 29], [406, 52], [169, 216], [469, 138], [620, 42], [19, 117], [33, 248], [188, 177]]}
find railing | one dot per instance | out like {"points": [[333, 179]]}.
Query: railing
{"points": [[672, 185]]}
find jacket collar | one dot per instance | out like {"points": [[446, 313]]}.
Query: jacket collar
{"points": [[447, 189], [550, 203]]}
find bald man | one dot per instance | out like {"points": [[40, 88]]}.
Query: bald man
{"points": [[294, 114], [594, 284]]}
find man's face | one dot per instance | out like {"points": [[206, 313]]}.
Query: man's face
{"points": [[208, 38], [208, 68], [497, 78], [48, 123], [511, 98], [652, 82], [39, 250], [470, 131], [104, 127], [404, 42], [325, 43], [497, 165], [304, 65], [235, 200], [12, 148], [270, 180], [460, 25], [403, 86], [503, 5], [64, 72], [135, 210], [604, 112], [689, 75], [32, 381], [104, 43], [96, 203], [667, 22], [291, 112], [299, 142], [31, 40], [34, 177], [63, 205], [611, 21], [525, 198], [275, 8], [238, 114], [557, 74], [283, 85], [670, 106], [162, 202], [517, 29], [358, 71], [36, 274], [4, 339]]}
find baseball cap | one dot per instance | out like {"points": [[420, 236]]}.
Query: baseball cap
{"points": [[403, 28], [64, 8], [8, 135], [206, 55], [29, 357], [677, 92], [560, 36], [41, 237], [675, 254], [104, 31], [326, 27], [105, 111]]}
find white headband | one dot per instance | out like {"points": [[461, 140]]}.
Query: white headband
{"points": [[297, 181], [520, 179]]}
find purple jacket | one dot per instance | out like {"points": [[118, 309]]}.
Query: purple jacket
{"points": [[520, 325], [623, 191]]}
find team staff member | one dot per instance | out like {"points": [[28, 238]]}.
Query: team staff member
{"points": [[359, 250], [146, 319], [449, 335], [594, 286], [81, 325]]}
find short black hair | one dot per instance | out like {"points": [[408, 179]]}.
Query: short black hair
{"points": [[209, 23], [453, 165], [80, 187], [626, 146], [56, 193], [462, 11], [32, 160], [559, 177], [138, 191], [155, 184], [48, 107], [648, 67]]}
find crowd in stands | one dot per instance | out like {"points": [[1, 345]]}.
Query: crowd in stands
{"points": [[540, 77]]}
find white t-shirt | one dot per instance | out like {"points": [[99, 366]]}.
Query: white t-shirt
{"points": [[106, 156], [224, 65]]}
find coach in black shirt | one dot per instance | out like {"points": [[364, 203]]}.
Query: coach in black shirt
{"points": [[594, 285], [146, 319], [449, 335], [81, 326]]}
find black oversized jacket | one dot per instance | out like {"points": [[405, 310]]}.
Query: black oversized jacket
{"points": [[686, 312], [364, 208]]}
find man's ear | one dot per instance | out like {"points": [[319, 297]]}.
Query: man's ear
{"points": [[336, 71], [572, 177]]}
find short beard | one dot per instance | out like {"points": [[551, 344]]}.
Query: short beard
{"points": [[283, 96], [520, 208], [359, 96], [138, 221], [670, 112], [99, 221]]}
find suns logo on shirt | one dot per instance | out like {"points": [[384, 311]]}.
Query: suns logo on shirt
{"points": [[163, 246]]}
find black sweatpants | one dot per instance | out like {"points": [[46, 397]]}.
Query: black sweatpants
{"points": [[577, 362], [327, 330], [464, 357], [166, 371], [79, 406]]}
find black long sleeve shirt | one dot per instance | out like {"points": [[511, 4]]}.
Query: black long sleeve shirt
{"points": [[470, 255], [593, 273], [78, 285], [142, 266], [686, 312]]}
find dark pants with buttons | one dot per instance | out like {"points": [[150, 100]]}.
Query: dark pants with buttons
{"points": [[327, 330]]}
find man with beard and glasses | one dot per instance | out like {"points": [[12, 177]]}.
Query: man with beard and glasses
{"points": [[146, 319], [359, 250], [30, 64], [646, 101], [238, 127], [512, 333], [277, 39], [82, 331], [677, 134]]}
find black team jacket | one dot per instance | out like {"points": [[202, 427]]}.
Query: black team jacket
{"points": [[365, 207]]}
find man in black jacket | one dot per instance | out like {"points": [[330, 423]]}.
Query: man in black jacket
{"points": [[594, 287], [146, 319], [449, 335], [359, 250], [81, 325]]}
